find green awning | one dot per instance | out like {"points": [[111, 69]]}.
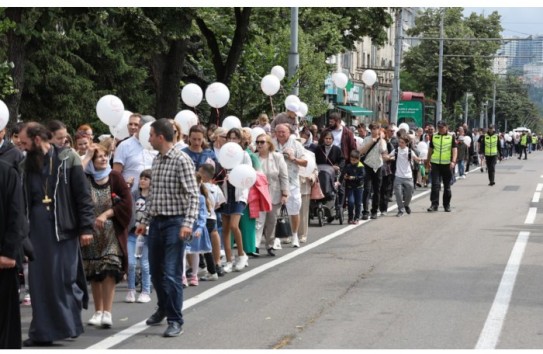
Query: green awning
{"points": [[356, 110]]}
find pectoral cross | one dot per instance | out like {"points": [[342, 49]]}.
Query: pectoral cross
{"points": [[47, 201]]}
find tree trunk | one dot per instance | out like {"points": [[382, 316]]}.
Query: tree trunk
{"points": [[167, 69], [15, 54]]}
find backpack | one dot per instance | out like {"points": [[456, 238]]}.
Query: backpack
{"points": [[393, 162]]}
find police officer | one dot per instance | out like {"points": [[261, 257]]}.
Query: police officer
{"points": [[442, 157], [492, 153], [523, 146]]}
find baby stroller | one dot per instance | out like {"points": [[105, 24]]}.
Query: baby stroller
{"points": [[325, 209]]}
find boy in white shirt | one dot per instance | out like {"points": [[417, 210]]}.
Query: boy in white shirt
{"points": [[403, 180]]}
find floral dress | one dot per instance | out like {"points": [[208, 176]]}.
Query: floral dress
{"points": [[103, 256]]}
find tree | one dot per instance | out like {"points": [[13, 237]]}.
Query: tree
{"points": [[466, 64]]}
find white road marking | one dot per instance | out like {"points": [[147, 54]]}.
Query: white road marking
{"points": [[536, 197], [539, 187], [530, 218], [490, 334]]}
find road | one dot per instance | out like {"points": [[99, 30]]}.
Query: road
{"points": [[467, 279]]}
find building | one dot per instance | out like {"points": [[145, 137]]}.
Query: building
{"points": [[372, 102]]}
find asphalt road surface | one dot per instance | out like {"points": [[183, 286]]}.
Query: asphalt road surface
{"points": [[467, 279]]}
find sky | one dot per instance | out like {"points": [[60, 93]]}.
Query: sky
{"points": [[516, 21]]}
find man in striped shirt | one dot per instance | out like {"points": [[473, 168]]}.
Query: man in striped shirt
{"points": [[172, 208]]}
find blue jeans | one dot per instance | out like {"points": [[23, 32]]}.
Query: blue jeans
{"points": [[461, 168], [166, 261], [144, 265], [354, 199]]}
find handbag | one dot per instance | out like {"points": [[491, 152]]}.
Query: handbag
{"points": [[282, 225], [316, 191]]}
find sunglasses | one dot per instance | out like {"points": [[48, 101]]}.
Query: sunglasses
{"points": [[260, 142]]}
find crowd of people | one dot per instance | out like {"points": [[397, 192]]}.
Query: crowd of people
{"points": [[88, 211]]}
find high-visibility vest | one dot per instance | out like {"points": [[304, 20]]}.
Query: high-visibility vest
{"points": [[491, 145], [534, 139], [442, 152], [523, 140]]}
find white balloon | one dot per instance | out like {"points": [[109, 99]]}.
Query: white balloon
{"points": [[369, 77], [144, 134], [340, 80], [242, 176], [217, 95], [4, 115], [308, 170], [231, 122], [192, 95], [256, 131], [270, 85], [120, 131], [186, 119], [292, 99], [508, 138], [230, 155], [404, 126], [278, 72], [110, 110], [302, 110], [467, 140]]}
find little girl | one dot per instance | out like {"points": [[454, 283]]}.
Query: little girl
{"points": [[138, 197], [200, 242]]}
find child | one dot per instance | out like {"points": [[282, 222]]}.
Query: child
{"points": [[216, 197], [462, 158], [138, 198], [200, 242], [353, 175]]}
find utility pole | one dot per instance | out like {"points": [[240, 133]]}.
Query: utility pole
{"points": [[494, 104], [466, 109], [293, 56], [440, 70], [395, 99]]}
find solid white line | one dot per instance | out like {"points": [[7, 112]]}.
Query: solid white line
{"points": [[123, 335], [536, 197], [539, 187], [493, 326], [530, 218]]}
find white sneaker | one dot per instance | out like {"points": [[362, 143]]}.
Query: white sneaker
{"points": [[209, 277], [96, 319], [227, 267], [107, 322], [130, 296], [241, 262], [303, 239], [277, 244], [144, 298], [295, 242], [287, 240]]}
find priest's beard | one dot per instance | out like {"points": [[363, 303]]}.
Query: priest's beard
{"points": [[34, 159]]}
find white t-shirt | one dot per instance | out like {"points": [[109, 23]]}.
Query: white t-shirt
{"points": [[134, 159], [216, 197], [336, 133], [403, 165]]}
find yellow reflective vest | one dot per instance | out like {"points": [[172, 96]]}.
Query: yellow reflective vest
{"points": [[491, 145], [442, 152]]}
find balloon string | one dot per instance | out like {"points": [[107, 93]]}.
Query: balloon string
{"points": [[344, 96], [217, 116], [271, 103]]}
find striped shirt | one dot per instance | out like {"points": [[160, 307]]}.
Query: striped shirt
{"points": [[174, 190]]}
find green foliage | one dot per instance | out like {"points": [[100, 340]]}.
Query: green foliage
{"points": [[466, 64]]}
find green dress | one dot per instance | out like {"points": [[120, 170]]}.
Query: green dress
{"points": [[247, 225]]}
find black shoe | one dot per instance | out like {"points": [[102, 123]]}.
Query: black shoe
{"points": [[400, 214], [155, 318], [432, 208], [373, 216], [174, 329], [270, 252], [219, 270], [365, 216], [408, 210], [491, 183], [254, 254], [447, 209], [34, 343], [482, 170]]}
